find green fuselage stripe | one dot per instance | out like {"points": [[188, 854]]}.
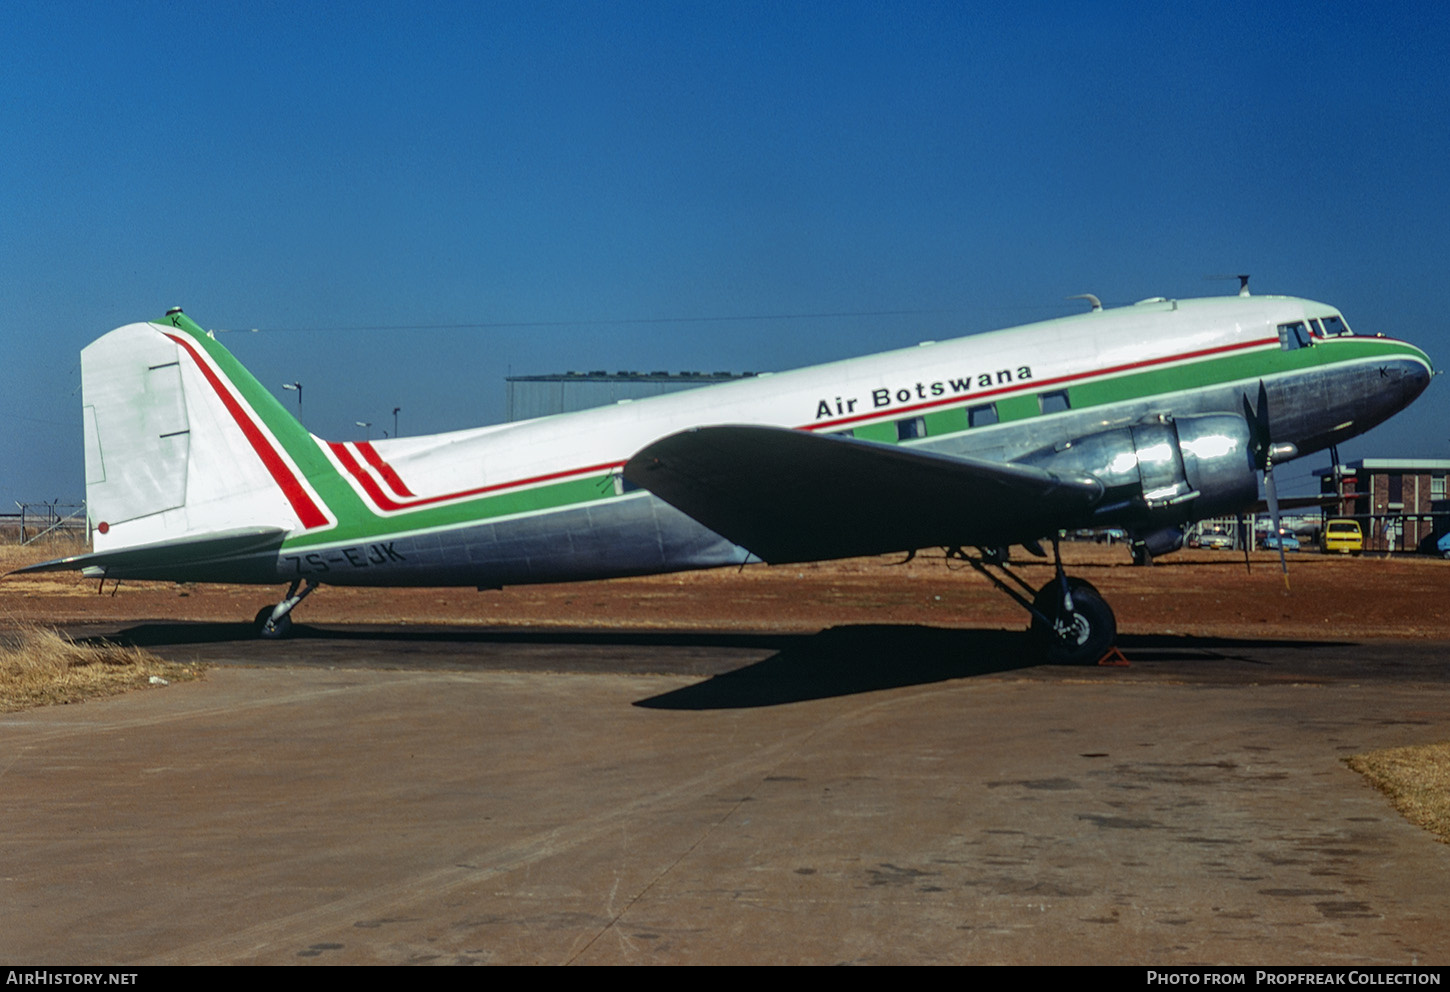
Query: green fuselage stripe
{"points": [[1121, 388], [357, 520], [1229, 368]]}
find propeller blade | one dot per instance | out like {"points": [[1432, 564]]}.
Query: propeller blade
{"points": [[1273, 497], [1255, 441], [1261, 437], [1258, 419], [1263, 411], [1246, 536]]}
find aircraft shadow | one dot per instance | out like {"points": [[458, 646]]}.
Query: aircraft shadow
{"points": [[842, 661], [838, 661], [204, 632]]}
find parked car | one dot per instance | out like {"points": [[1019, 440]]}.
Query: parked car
{"points": [[1443, 546], [1217, 540], [1272, 542], [1342, 537]]}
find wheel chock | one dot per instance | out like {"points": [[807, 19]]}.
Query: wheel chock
{"points": [[1113, 659]]}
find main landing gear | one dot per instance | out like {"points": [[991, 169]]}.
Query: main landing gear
{"points": [[1071, 622], [273, 622]]}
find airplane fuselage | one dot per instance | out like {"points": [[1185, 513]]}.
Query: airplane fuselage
{"points": [[545, 500]]}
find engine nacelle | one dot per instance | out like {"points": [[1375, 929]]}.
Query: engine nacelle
{"points": [[1165, 471], [1155, 544]]}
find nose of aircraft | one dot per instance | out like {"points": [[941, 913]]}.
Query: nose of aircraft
{"points": [[1409, 375], [1389, 385]]}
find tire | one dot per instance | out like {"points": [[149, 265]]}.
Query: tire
{"points": [[268, 630], [1080, 638]]}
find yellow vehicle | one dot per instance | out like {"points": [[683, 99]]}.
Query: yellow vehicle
{"points": [[1342, 536]]}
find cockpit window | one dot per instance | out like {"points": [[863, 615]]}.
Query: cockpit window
{"points": [[1335, 327], [1295, 335]]}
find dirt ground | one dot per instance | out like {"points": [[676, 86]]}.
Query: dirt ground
{"points": [[1203, 593]]}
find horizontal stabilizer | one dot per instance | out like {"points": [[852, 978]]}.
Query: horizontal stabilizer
{"points": [[789, 496], [168, 559]]}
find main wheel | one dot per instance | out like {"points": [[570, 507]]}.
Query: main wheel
{"points": [[1079, 637], [269, 630]]}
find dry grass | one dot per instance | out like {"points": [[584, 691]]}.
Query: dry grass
{"points": [[42, 667], [1416, 780]]}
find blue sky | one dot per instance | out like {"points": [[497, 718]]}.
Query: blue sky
{"points": [[563, 177]]}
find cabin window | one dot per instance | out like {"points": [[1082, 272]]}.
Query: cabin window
{"points": [[1335, 327], [911, 427], [982, 416], [1295, 335], [1054, 402]]}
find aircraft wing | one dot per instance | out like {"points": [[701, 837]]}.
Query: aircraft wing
{"points": [[789, 496], [169, 559]]}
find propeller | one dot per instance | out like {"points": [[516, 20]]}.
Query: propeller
{"points": [[1265, 452], [1246, 535]]}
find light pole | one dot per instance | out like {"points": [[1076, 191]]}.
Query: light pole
{"points": [[367, 426], [395, 420], [295, 387]]}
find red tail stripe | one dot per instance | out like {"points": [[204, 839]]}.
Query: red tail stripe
{"points": [[302, 504]]}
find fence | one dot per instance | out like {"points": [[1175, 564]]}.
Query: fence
{"points": [[47, 522]]}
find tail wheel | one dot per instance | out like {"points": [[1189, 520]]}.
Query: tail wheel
{"points": [[1079, 636], [269, 629]]}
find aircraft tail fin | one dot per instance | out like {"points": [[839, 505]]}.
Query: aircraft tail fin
{"points": [[183, 444]]}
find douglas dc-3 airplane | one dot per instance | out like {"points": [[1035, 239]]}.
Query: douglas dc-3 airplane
{"points": [[1142, 417]]}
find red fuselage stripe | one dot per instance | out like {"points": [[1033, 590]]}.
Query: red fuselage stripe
{"points": [[386, 502], [371, 456], [302, 504], [369, 484]]}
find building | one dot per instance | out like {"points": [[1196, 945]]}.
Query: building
{"points": [[1400, 503], [531, 396]]}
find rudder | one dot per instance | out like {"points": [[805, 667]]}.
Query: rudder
{"points": [[182, 442]]}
